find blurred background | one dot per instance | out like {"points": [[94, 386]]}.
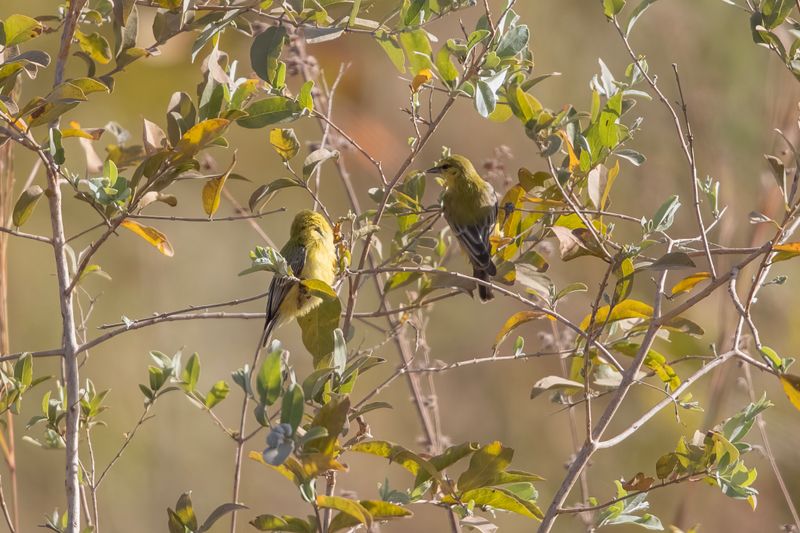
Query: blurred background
{"points": [[737, 95]]}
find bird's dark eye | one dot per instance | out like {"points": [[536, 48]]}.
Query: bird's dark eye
{"points": [[447, 166]]}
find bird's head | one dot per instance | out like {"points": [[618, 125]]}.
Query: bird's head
{"points": [[453, 168], [310, 224]]}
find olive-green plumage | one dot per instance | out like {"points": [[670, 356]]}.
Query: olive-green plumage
{"points": [[312, 255], [470, 208]]}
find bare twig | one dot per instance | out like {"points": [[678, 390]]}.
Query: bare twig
{"points": [[16, 233], [4, 506], [697, 476]]}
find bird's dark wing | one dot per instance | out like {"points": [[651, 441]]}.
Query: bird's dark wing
{"points": [[279, 286], [475, 239]]}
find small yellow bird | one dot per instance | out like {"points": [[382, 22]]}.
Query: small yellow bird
{"points": [[470, 208], [311, 253]]}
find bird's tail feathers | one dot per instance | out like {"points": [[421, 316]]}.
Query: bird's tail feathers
{"points": [[268, 327], [485, 292]]}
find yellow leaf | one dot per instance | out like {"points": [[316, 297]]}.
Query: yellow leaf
{"points": [[574, 162], [623, 310], [213, 189], [791, 386], [424, 76], [612, 176], [201, 135], [151, 235], [786, 251], [545, 203], [516, 320], [688, 283], [285, 142]]}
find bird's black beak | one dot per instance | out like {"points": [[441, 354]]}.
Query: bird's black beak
{"points": [[434, 170]]}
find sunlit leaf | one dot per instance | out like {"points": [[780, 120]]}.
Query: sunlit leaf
{"points": [[555, 382], [201, 135], [424, 76], [95, 46], [212, 190], [350, 507], [484, 465], [25, 205], [516, 320], [623, 310], [379, 510], [16, 29], [689, 282], [791, 386], [785, 251], [285, 142], [151, 235]]}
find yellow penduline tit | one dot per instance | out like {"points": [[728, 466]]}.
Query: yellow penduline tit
{"points": [[470, 208], [311, 254]]}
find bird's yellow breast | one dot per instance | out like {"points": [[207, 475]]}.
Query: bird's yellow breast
{"points": [[320, 263]]}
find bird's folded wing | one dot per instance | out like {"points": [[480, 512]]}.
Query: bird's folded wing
{"points": [[280, 285], [475, 237]]}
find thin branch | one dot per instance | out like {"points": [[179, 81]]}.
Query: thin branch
{"points": [[693, 168], [69, 339], [240, 440], [686, 139], [206, 219], [30, 236], [128, 438], [6, 515], [697, 476]]}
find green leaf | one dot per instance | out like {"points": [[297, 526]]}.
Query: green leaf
{"points": [[665, 215], [774, 12], [378, 509], [555, 382], [672, 261], [264, 54], [485, 99], [268, 522], [484, 465], [349, 507], [638, 12], [95, 46], [218, 513], [418, 50], [56, 148], [16, 29], [398, 454], [292, 406], [285, 142], [265, 191], [217, 393], [447, 70], [450, 456], [268, 381], [270, 110], [513, 42], [315, 159], [499, 498], [339, 352], [392, 48], [318, 326], [23, 370], [612, 7], [191, 373], [185, 511], [333, 417], [25, 205], [304, 97]]}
